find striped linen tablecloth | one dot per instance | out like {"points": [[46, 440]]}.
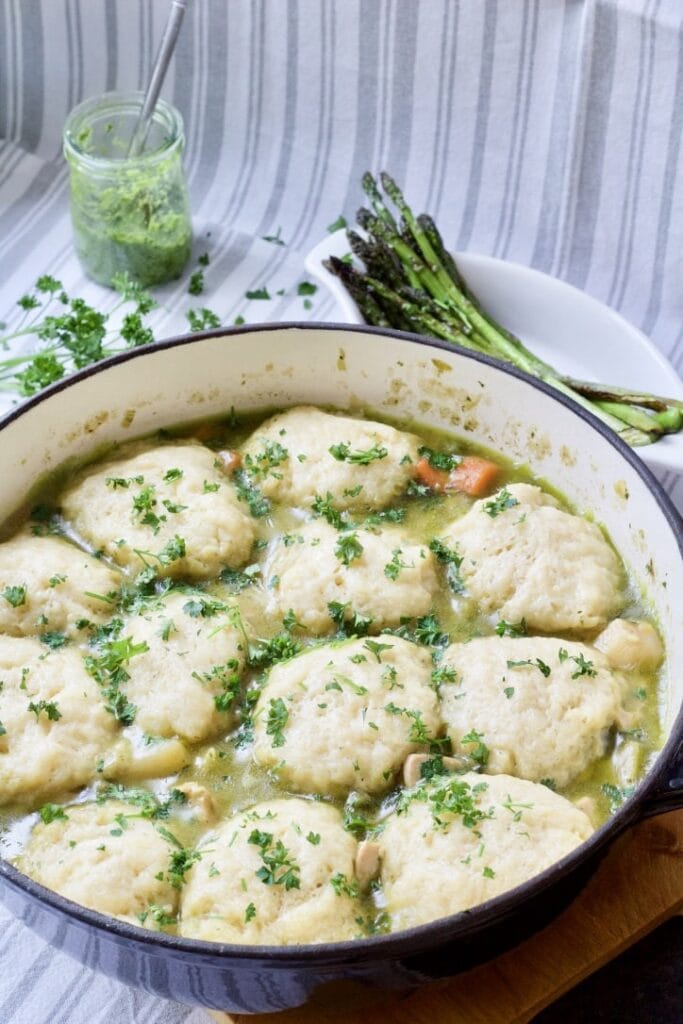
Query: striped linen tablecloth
{"points": [[542, 131]]}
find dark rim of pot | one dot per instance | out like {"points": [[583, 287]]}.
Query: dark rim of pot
{"points": [[426, 936]]}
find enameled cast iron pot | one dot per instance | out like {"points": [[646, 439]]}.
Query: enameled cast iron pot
{"points": [[254, 368]]}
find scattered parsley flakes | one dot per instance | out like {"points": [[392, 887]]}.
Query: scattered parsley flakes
{"points": [[15, 596], [306, 288], [479, 751], [202, 319], [53, 639], [348, 548], [278, 716], [313, 838], [325, 508], [278, 866], [342, 453], [196, 285], [499, 503], [48, 707], [536, 663], [445, 461], [52, 812], [257, 293], [249, 913], [452, 560], [513, 629], [173, 474], [343, 887]]}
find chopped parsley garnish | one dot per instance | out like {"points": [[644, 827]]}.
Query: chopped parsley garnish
{"points": [[202, 319], [172, 474], [387, 515], [238, 580], [249, 493], [281, 647], [393, 568], [172, 551], [278, 716], [227, 675], [479, 751], [445, 461], [513, 629], [499, 503], [428, 632], [326, 508], [583, 667], [54, 639], [3, 730], [147, 804], [616, 794], [159, 915], [144, 505], [343, 887], [509, 691], [48, 707], [448, 799], [52, 812], [313, 838], [342, 453], [55, 580], [204, 607], [249, 913], [196, 284], [377, 648], [306, 288], [442, 674], [515, 807], [278, 866], [536, 663], [348, 548], [257, 293], [15, 596], [452, 560], [109, 672], [348, 621], [265, 463]]}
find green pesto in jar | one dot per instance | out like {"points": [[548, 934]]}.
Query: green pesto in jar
{"points": [[128, 215]]}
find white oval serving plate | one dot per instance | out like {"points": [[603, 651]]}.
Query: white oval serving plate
{"points": [[573, 332]]}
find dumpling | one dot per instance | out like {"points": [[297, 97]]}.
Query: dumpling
{"points": [[280, 873], [170, 507], [526, 558], [463, 839], [542, 707], [345, 716], [50, 585], [106, 857], [381, 576], [305, 452], [55, 728]]}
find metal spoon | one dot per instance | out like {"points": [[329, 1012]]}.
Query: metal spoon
{"points": [[166, 47]]}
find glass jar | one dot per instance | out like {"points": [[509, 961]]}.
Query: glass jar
{"points": [[133, 214]]}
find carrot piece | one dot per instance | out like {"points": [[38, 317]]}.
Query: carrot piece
{"points": [[435, 479], [230, 460], [474, 476]]}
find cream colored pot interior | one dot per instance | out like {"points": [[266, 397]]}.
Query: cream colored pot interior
{"points": [[261, 369]]}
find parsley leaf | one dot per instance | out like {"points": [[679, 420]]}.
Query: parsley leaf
{"points": [[499, 503]]}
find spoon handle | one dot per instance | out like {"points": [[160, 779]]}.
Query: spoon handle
{"points": [[166, 47]]}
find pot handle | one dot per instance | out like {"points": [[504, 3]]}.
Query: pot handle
{"points": [[667, 795]]}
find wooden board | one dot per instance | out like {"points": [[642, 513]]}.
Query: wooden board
{"points": [[636, 887]]}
